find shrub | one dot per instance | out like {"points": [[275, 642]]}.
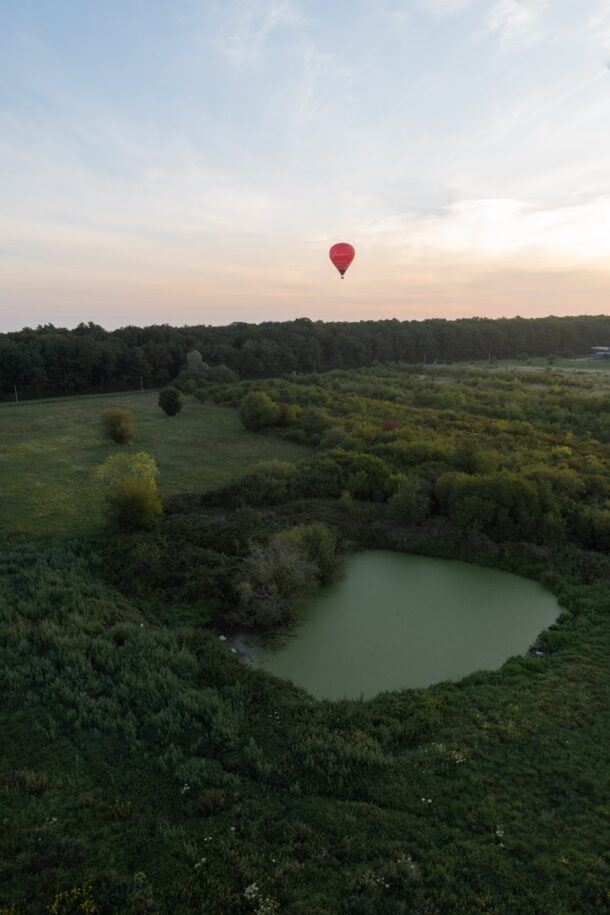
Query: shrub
{"points": [[141, 465], [222, 374], [171, 400], [32, 782], [257, 411], [504, 505], [135, 503], [409, 504], [212, 801], [293, 563], [118, 425], [317, 542], [275, 577], [270, 483], [367, 477], [77, 899], [202, 393]]}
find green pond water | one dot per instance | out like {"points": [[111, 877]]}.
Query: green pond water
{"points": [[395, 621]]}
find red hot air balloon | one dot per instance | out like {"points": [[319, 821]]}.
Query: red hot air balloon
{"points": [[342, 255]]}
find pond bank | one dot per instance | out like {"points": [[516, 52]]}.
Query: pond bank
{"points": [[397, 621]]}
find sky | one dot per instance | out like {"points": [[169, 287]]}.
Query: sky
{"points": [[192, 161]]}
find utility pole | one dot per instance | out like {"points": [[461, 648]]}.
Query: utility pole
{"points": [[141, 384], [16, 396]]}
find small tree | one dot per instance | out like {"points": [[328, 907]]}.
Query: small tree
{"points": [[194, 363], [222, 374], [275, 576], [135, 503], [257, 411], [171, 400], [118, 425], [409, 504], [133, 495], [141, 465]]}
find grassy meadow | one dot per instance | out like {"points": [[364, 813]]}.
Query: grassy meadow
{"points": [[49, 452]]}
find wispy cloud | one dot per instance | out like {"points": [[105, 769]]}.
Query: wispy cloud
{"points": [[250, 24], [518, 23]]}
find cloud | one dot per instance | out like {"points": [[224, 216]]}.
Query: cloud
{"points": [[502, 229], [518, 23], [250, 25]]}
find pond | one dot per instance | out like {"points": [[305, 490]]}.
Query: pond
{"points": [[395, 621]]}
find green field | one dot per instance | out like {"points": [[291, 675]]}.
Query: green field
{"points": [[49, 452], [576, 364]]}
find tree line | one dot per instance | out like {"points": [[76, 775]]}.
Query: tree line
{"points": [[50, 361]]}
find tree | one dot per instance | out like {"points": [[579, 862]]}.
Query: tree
{"points": [[258, 411], [171, 400], [317, 542], [133, 496], [275, 576], [194, 363], [504, 505], [118, 425], [141, 465], [294, 562], [409, 504], [469, 458], [222, 374], [135, 503], [269, 483]]}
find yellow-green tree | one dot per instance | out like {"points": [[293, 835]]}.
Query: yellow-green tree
{"points": [[132, 489]]}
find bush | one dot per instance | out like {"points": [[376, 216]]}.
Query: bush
{"points": [[275, 577], [118, 425], [32, 782], [258, 411], [212, 801], [171, 400], [317, 542], [141, 465], [409, 504], [222, 374], [135, 503], [270, 483], [292, 564]]}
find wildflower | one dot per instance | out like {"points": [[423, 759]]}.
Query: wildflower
{"points": [[252, 892]]}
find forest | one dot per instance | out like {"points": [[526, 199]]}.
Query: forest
{"points": [[147, 769], [51, 361]]}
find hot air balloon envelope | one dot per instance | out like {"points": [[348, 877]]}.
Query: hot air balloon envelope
{"points": [[342, 255]]}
